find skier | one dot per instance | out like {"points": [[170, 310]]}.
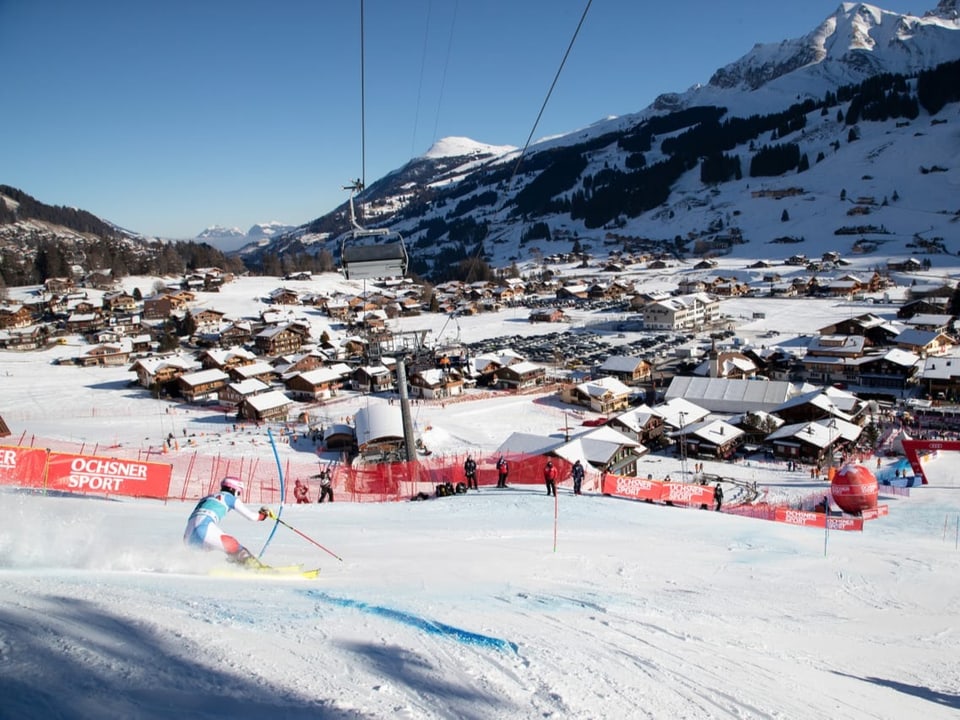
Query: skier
{"points": [[301, 492], [577, 473], [503, 469], [470, 470], [326, 489], [550, 478], [203, 527], [718, 496]]}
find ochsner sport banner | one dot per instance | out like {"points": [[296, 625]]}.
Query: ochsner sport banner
{"points": [[22, 466], [110, 476]]}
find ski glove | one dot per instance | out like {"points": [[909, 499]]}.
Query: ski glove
{"points": [[265, 513]]}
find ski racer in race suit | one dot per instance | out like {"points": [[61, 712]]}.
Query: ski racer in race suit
{"points": [[203, 527]]}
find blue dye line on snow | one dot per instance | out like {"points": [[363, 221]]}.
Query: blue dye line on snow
{"points": [[429, 626]]}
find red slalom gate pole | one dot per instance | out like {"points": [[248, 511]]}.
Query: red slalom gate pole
{"points": [[306, 537]]}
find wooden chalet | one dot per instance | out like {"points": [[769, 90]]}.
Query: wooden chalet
{"points": [[714, 439], [812, 442], [225, 359], [262, 371], [161, 370], [320, 384], [236, 333], [280, 340], [604, 395], [84, 322], [550, 315], [105, 355], [925, 342], [158, 307], [120, 301], [207, 319], [894, 370], [236, 392], [271, 405], [940, 377], [203, 385], [627, 369], [15, 317], [519, 376], [21, 339], [373, 379], [59, 285], [642, 423], [284, 296], [435, 384]]}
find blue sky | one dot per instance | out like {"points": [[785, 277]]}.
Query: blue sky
{"points": [[168, 117]]}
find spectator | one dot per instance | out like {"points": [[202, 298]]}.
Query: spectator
{"points": [[301, 492], [503, 469], [577, 474], [718, 496], [470, 471], [326, 486], [550, 475]]}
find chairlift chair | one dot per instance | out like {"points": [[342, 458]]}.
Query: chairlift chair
{"points": [[361, 259]]}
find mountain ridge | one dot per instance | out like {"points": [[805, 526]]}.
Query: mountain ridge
{"points": [[466, 199]]}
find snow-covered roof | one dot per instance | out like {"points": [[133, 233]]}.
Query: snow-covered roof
{"points": [[268, 401], [731, 395], [821, 433], [204, 376], [602, 386], [378, 422]]}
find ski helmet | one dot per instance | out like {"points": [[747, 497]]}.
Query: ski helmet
{"points": [[233, 485]]}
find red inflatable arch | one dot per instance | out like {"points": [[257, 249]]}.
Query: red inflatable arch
{"points": [[911, 449]]}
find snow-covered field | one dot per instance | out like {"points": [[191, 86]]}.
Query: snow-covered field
{"points": [[495, 604]]}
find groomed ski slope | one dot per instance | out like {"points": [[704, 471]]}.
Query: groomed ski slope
{"points": [[461, 608]]}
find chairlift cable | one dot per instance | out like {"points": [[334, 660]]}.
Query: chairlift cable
{"points": [[443, 77], [556, 77], [423, 66], [543, 107], [363, 107]]}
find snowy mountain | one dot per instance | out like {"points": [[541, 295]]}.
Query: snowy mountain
{"points": [[231, 239], [856, 42], [640, 183], [777, 148]]}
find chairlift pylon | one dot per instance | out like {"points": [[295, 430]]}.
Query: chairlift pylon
{"points": [[383, 258]]}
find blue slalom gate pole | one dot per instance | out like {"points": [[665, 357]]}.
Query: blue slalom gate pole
{"points": [[276, 456]]}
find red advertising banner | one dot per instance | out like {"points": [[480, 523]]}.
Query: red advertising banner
{"points": [[808, 518], [109, 476], [687, 493], [22, 466], [657, 491], [634, 487], [874, 513]]}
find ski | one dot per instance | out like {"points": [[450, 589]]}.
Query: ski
{"points": [[286, 571]]}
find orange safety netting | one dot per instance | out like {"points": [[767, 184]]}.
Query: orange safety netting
{"points": [[196, 473]]}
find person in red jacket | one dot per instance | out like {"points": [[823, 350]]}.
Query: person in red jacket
{"points": [[550, 475], [301, 492], [503, 470]]}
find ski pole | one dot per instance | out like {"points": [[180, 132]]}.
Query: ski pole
{"points": [[287, 525]]}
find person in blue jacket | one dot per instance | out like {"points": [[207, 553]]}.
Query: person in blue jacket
{"points": [[203, 526], [577, 473]]}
